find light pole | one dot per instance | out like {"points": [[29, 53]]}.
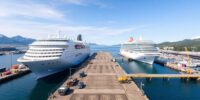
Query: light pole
{"points": [[141, 85], [70, 72], [10, 59]]}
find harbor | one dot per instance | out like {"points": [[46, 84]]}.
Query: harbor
{"points": [[180, 62], [16, 71], [6, 50], [100, 82], [105, 77], [99, 50], [195, 55], [27, 87]]}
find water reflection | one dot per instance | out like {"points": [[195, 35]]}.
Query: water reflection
{"points": [[168, 89], [47, 85], [139, 67], [135, 66]]}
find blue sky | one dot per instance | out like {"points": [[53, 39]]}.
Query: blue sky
{"points": [[102, 21]]}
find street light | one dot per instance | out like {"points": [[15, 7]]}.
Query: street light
{"points": [[11, 58], [141, 85]]}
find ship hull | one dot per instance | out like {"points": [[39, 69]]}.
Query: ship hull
{"points": [[141, 57], [43, 68]]}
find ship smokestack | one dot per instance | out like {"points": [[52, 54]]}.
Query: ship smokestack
{"points": [[79, 37]]}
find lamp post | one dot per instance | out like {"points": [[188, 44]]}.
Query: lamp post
{"points": [[141, 85], [11, 59], [70, 72]]}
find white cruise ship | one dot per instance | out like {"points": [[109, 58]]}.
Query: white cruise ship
{"points": [[48, 56], [140, 50]]}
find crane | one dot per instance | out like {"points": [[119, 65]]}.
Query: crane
{"points": [[188, 70]]}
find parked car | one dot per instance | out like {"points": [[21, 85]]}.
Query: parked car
{"points": [[63, 90]]}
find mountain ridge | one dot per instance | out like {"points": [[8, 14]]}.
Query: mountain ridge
{"points": [[191, 44], [15, 40]]}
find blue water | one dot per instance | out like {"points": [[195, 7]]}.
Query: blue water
{"points": [[28, 88]]}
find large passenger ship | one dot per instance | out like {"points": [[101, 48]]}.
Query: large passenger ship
{"points": [[48, 56], [140, 50]]}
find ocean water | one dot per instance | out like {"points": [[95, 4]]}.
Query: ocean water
{"points": [[28, 88]]}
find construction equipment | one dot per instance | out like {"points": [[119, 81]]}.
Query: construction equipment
{"points": [[188, 70], [127, 77], [123, 79]]}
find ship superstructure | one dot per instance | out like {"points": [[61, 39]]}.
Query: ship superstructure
{"points": [[51, 55], [140, 50]]}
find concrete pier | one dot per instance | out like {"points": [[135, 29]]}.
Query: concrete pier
{"points": [[6, 78], [101, 82]]}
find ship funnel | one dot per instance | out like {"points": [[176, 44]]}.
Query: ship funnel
{"points": [[79, 37], [131, 39]]}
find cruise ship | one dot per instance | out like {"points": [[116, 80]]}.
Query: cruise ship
{"points": [[48, 56], [140, 50]]}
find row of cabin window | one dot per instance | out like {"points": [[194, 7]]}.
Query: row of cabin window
{"points": [[135, 48], [129, 46], [43, 56], [139, 45], [48, 46], [44, 52], [146, 49], [141, 50], [53, 40], [47, 50]]}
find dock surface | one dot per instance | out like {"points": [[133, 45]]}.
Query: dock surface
{"points": [[101, 82], [12, 76]]}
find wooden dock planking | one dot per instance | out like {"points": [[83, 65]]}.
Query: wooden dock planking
{"points": [[101, 82]]}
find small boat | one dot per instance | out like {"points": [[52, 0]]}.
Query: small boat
{"points": [[2, 69]]}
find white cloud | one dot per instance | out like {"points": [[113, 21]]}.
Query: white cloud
{"points": [[86, 3], [36, 27], [196, 37], [28, 9], [12, 21], [76, 2], [41, 30]]}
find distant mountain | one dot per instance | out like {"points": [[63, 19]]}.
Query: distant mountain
{"points": [[117, 45], [22, 39], [93, 44], [16, 40], [5, 40], [96, 45], [191, 44]]}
